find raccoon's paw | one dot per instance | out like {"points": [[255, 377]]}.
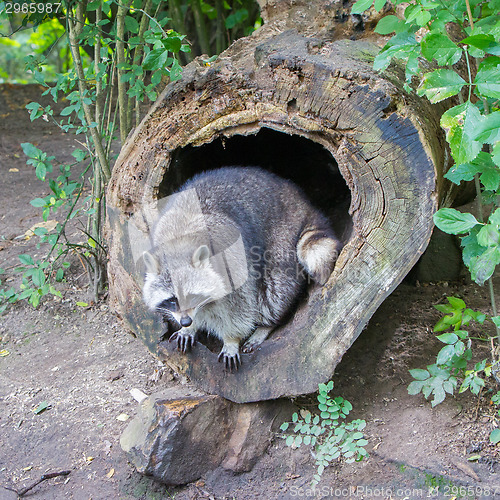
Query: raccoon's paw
{"points": [[230, 356], [185, 340], [256, 339]]}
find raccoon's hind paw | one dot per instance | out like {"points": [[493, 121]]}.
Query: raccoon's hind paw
{"points": [[185, 340], [230, 356], [256, 339]]}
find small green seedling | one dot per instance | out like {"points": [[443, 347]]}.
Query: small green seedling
{"points": [[328, 435]]}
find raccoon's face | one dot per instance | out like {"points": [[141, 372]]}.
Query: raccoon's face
{"points": [[181, 292]]}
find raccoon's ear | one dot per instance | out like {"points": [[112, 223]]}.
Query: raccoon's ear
{"points": [[152, 264], [201, 257]]}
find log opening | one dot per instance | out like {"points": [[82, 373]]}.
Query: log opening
{"points": [[301, 160]]}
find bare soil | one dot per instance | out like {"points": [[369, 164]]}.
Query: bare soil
{"points": [[83, 364]]}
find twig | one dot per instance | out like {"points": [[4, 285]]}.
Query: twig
{"points": [[51, 475], [469, 12]]}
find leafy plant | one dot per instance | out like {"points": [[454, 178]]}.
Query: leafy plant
{"points": [[453, 362], [466, 31], [495, 433], [113, 56], [329, 437], [472, 126]]}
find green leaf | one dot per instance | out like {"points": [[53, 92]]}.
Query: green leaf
{"points": [[41, 407], [462, 172], [490, 178], [495, 217], [399, 46], [452, 221], [131, 24], [495, 436], [495, 154], [236, 18], [488, 236], [38, 202], [444, 323], [460, 123], [448, 338], [175, 71], [173, 43], [360, 6], [30, 150], [388, 24], [486, 43], [439, 47], [41, 171], [440, 84], [38, 277], [444, 308], [471, 248], [482, 164], [476, 384], [26, 259], [93, 5], [415, 387], [456, 303], [445, 354], [79, 155], [488, 82], [419, 374], [156, 59], [488, 130], [482, 267], [35, 110]]}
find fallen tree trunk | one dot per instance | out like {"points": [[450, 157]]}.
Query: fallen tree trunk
{"points": [[368, 154]]}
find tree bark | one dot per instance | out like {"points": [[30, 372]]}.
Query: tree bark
{"points": [[390, 153]]}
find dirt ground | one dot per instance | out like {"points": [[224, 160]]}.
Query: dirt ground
{"points": [[83, 364]]}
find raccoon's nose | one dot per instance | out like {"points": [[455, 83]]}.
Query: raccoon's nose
{"points": [[186, 321]]}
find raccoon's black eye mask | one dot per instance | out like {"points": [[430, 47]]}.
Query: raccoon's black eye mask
{"points": [[168, 305]]}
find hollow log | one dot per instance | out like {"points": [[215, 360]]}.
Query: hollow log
{"points": [[368, 154]]}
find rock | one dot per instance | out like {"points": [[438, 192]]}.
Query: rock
{"points": [[175, 436], [179, 434]]}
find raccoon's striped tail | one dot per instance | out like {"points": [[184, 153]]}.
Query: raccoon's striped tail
{"points": [[317, 251]]}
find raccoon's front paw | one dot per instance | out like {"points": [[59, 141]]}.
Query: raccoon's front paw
{"points": [[230, 356], [185, 340]]}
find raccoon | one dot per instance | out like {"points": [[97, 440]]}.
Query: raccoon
{"points": [[232, 251]]}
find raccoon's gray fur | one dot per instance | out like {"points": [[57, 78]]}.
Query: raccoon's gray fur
{"points": [[229, 254]]}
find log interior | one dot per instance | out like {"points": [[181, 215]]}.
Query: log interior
{"points": [[303, 161]]}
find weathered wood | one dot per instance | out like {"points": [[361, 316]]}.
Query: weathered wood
{"points": [[308, 108]]}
